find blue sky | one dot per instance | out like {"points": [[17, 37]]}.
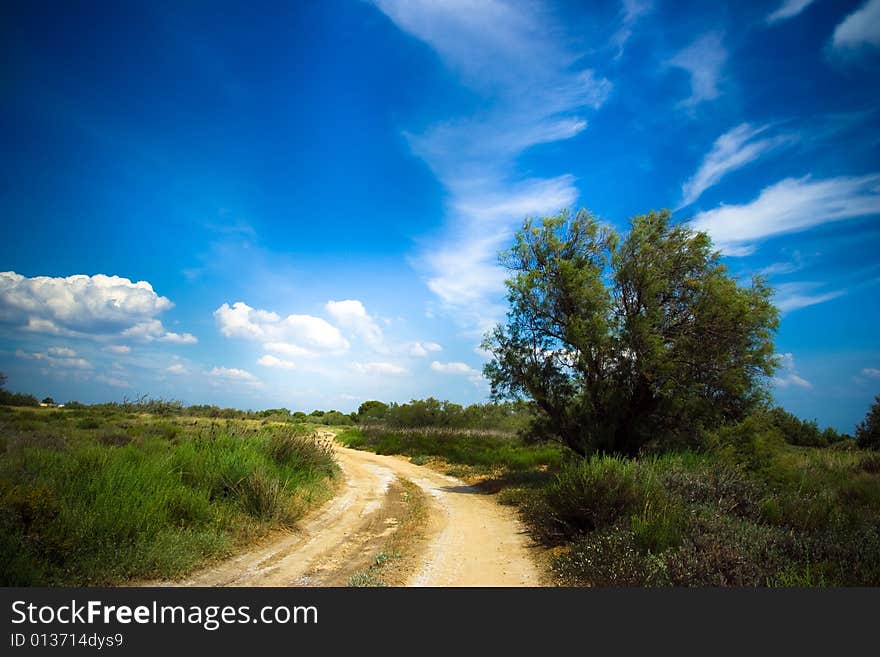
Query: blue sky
{"points": [[301, 204]]}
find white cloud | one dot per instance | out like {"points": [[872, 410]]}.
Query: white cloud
{"points": [[452, 368], [788, 9], [792, 296], [459, 369], [302, 333], [152, 329], [57, 357], [463, 269], [871, 372], [64, 352], [631, 12], [860, 28], [703, 61], [83, 306], [112, 381], [422, 349], [731, 151], [513, 57], [273, 361], [233, 374], [351, 314], [177, 368], [379, 368], [287, 349], [788, 375], [117, 349], [791, 205]]}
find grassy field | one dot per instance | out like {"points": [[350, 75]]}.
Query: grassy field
{"points": [[748, 510], [104, 496]]}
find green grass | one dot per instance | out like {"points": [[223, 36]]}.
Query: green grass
{"points": [[802, 516], [90, 498], [481, 450], [751, 509]]}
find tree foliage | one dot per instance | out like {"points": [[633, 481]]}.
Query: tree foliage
{"points": [[624, 340], [868, 430]]}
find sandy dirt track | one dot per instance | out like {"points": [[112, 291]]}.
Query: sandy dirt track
{"points": [[469, 539]]}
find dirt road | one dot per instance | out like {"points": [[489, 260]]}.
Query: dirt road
{"points": [[468, 539]]}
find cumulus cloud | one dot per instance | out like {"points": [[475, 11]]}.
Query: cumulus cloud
{"points": [[302, 334], [513, 57], [117, 349], [351, 314], [788, 375], [83, 306], [233, 374], [860, 28], [452, 368], [268, 360], [177, 368], [458, 369], [379, 368], [60, 357], [422, 349], [789, 206], [731, 151], [152, 329], [871, 372], [703, 61], [788, 9]]}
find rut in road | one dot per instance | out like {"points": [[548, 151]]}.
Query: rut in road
{"points": [[470, 540]]}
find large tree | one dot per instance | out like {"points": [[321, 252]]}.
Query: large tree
{"points": [[624, 340]]}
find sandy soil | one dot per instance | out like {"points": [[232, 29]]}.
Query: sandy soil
{"points": [[468, 540]]}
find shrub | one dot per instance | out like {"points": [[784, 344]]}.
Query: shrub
{"points": [[597, 492], [868, 431], [753, 443], [719, 550], [609, 557]]}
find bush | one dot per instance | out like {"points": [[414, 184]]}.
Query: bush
{"points": [[868, 431], [594, 493], [753, 443], [800, 432]]}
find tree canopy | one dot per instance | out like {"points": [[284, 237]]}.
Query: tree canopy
{"points": [[623, 340], [868, 430]]}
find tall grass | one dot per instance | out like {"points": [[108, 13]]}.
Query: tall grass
{"points": [[105, 498]]}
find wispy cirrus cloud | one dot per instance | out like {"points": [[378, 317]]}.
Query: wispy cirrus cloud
{"points": [[511, 55], [631, 12], [788, 9], [860, 28], [793, 296], [731, 151], [703, 60], [789, 206], [376, 368], [56, 357]]}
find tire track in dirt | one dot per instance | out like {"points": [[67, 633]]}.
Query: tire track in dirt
{"points": [[469, 540]]}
